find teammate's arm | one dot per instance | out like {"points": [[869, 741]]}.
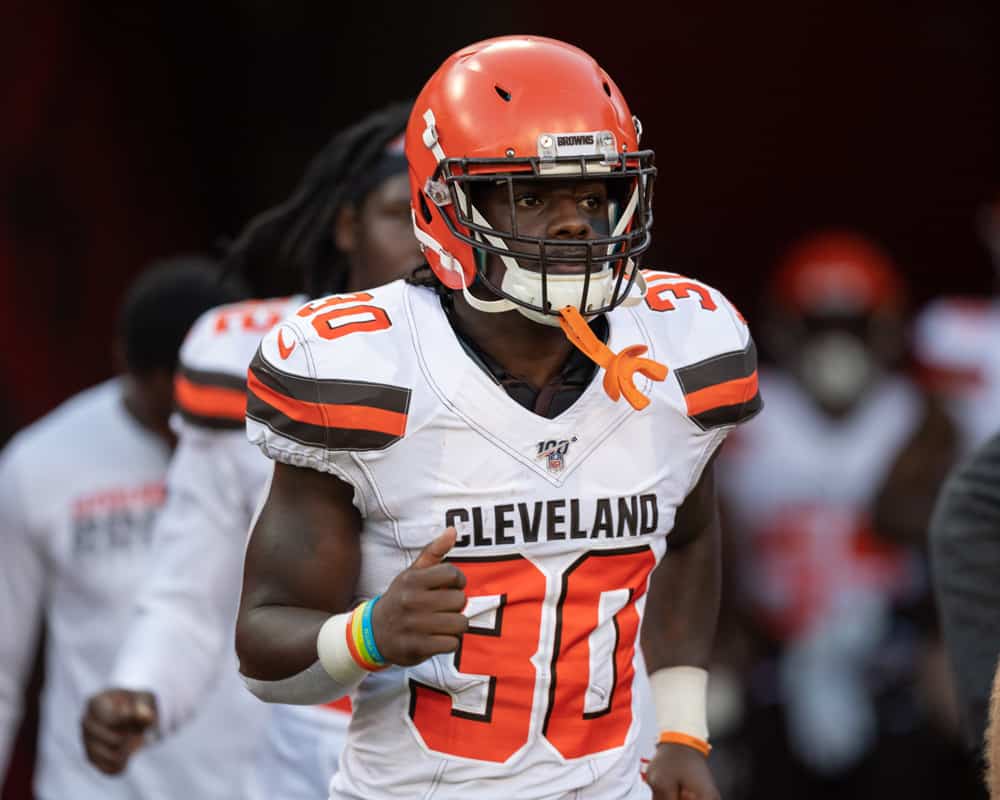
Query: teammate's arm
{"points": [[186, 605], [302, 566], [678, 629], [22, 589]]}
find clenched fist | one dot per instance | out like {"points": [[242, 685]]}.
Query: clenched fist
{"points": [[114, 726], [678, 772]]}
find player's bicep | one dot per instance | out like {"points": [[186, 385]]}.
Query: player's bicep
{"points": [[304, 550]]}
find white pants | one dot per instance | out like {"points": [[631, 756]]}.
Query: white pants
{"points": [[301, 751]]}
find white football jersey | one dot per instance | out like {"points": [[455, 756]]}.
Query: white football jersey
{"points": [[79, 491], [800, 485], [560, 523], [957, 343], [215, 484]]}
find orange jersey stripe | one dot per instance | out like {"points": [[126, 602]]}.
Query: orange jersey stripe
{"points": [[730, 393], [209, 401], [330, 415], [343, 704]]}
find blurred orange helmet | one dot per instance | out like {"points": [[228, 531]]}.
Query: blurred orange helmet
{"points": [[837, 272], [526, 107]]}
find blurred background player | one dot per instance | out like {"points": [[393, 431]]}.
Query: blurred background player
{"points": [[957, 343], [346, 227], [828, 494], [79, 491]]}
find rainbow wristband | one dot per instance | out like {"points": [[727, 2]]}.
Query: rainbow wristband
{"points": [[369, 632], [361, 638]]}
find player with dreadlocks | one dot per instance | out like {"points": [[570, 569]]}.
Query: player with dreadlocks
{"points": [[346, 226]]}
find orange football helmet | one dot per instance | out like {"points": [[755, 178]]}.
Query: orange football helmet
{"points": [[837, 271], [518, 108]]}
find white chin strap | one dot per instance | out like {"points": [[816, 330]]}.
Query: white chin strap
{"points": [[525, 285], [561, 290]]}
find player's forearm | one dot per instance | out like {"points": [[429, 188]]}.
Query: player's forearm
{"points": [[188, 604], [682, 605]]}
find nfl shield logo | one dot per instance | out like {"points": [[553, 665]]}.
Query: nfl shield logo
{"points": [[554, 453]]}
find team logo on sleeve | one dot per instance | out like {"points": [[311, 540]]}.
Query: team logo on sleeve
{"points": [[554, 453]]}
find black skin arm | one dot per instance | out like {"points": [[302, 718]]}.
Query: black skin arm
{"points": [[678, 629], [302, 565], [682, 604]]}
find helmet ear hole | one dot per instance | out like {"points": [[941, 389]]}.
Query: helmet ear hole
{"points": [[607, 89], [425, 210], [504, 94]]}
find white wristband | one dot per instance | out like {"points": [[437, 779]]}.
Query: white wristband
{"points": [[334, 655], [680, 695]]}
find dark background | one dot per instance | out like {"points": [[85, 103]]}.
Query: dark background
{"points": [[134, 130]]}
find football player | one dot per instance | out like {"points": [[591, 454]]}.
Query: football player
{"points": [[830, 493], [486, 474], [345, 226], [79, 491], [955, 345]]}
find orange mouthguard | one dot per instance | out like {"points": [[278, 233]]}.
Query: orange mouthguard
{"points": [[619, 368]]}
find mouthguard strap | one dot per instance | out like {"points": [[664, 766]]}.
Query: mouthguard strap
{"points": [[619, 368]]}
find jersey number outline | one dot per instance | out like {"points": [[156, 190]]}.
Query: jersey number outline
{"points": [[327, 325], [588, 706], [253, 316], [659, 283]]}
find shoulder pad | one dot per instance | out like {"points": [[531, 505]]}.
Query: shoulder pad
{"points": [[210, 387], [706, 343], [331, 375]]}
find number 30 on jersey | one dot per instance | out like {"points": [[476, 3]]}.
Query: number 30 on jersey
{"points": [[570, 666]]}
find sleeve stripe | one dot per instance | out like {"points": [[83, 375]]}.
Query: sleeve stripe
{"points": [[718, 369], [331, 391], [315, 435], [731, 393], [222, 380], [721, 416], [328, 415], [210, 405], [722, 390]]}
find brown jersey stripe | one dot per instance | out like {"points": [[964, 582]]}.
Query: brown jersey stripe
{"points": [[730, 393], [210, 404], [222, 380], [382, 396], [214, 423], [721, 416], [328, 415], [718, 369], [315, 435]]}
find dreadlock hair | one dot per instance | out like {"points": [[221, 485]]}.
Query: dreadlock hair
{"points": [[423, 275], [295, 237]]}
